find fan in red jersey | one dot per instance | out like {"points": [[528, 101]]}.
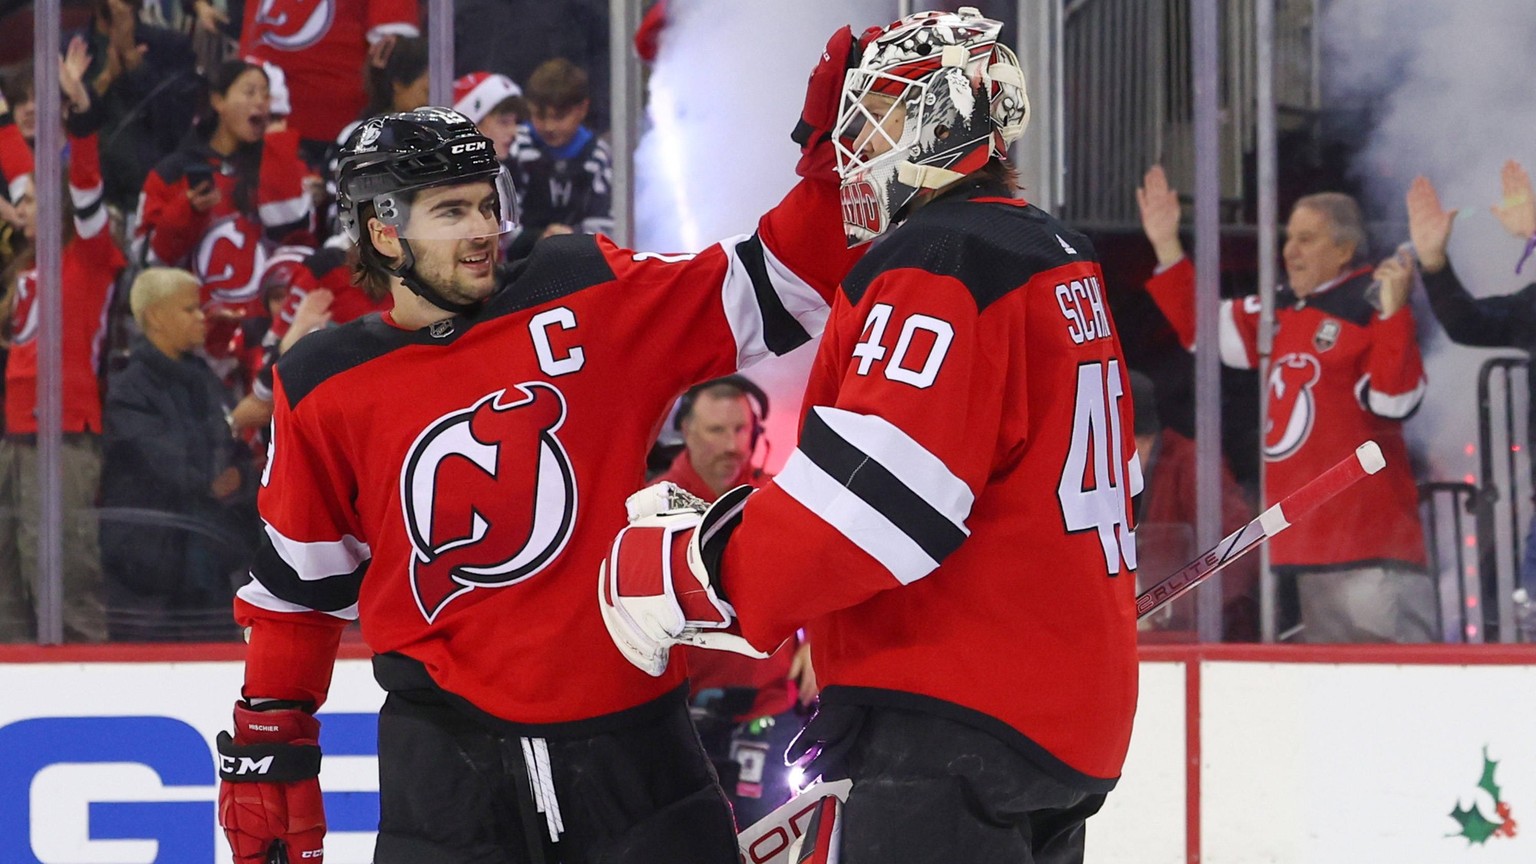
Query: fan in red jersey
{"points": [[323, 47], [449, 473], [953, 528], [1346, 369]]}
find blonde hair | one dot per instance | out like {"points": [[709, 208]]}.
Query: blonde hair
{"points": [[155, 285]]}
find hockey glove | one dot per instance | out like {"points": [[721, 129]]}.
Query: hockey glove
{"points": [[823, 96], [270, 792], [655, 589]]}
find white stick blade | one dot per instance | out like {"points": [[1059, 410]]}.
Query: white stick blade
{"points": [[1370, 457]]}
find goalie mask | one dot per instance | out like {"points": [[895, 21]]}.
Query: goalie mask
{"points": [[389, 161], [933, 98]]}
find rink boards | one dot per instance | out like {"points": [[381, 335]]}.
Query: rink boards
{"points": [[1240, 754]]}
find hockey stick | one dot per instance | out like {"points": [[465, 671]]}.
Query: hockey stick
{"points": [[1366, 460], [770, 839]]}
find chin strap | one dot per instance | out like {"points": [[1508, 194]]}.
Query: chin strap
{"points": [[407, 273], [925, 176]]}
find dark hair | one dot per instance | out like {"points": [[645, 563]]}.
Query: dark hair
{"points": [[557, 84], [514, 104], [370, 269], [17, 87], [246, 160], [726, 387], [407, 62], [1001, 172], [24, 251]]}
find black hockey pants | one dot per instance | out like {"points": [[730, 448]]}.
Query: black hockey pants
{"points": [[927, 790], [454, 789]]}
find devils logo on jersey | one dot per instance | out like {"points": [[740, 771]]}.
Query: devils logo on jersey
{"points": [[290, 25], [1292, 408], [489, 495], [229, 260]]}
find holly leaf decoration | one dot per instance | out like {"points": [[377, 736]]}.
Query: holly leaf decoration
{"points": [[1474, 825], [1489, 766]]}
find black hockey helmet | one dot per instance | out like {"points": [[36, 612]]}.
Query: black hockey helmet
{"points": [[389, 157]]}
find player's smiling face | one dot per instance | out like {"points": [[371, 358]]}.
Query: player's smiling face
{"points": [[454, 233]]}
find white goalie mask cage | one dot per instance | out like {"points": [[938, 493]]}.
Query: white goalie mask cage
{"points": [[933, 98]]}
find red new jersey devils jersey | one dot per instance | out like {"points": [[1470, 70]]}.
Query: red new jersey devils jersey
{"points": [[322, 47], [457, 487], [91, 262], [1340, 375], [954, 522]]}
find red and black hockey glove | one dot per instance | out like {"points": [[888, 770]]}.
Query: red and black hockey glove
{"points": [[823, 96], [270, 792]]}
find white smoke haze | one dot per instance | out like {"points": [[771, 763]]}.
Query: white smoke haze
{"points": [[1452, 88], [724, 94], [1450, 85]]}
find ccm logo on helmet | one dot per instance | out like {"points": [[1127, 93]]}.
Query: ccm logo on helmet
{"points": [[467, 146], [244, 764]]}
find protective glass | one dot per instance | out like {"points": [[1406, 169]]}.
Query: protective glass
{"points": [[483, 207]]}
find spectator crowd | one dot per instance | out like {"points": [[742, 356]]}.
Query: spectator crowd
{"points": [[201, 242]]}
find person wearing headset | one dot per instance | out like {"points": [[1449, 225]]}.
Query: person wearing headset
{"points": [[744, 708]]}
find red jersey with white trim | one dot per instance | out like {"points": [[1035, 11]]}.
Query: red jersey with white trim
{"points": [[226, 246], [954, 523], [322, 47], [456, 487], [1341, 374], [91, 262]]}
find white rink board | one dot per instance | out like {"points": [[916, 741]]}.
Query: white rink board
{"points": [[1143, 819], [1349, 764], [112, 763], [77, 737]]}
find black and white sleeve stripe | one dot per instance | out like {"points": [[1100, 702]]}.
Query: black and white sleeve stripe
{"points": [[294, 576], [883, 491], [770, 309], [90, 214]]}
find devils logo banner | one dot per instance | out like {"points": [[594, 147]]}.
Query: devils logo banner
{"points": [[488, 493]]}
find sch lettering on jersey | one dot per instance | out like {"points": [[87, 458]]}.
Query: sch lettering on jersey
{"points": [[292, 25], [1081, 302], [1292, 405], [489, 495]]}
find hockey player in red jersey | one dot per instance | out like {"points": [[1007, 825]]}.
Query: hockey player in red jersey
{"points": [[953, 526], [1346, 369], [450, 474]]}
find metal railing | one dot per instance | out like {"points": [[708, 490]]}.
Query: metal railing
{"points": [[1448, 511], [1504, 493]]}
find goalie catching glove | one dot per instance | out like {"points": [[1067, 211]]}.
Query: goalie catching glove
{"points": [[270, 792], [657, 589]]}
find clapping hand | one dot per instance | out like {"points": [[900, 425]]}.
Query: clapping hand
{"points": [[1517, 209], [1395, 276], [1429, 224], [72, 68], [1160, 213]]}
